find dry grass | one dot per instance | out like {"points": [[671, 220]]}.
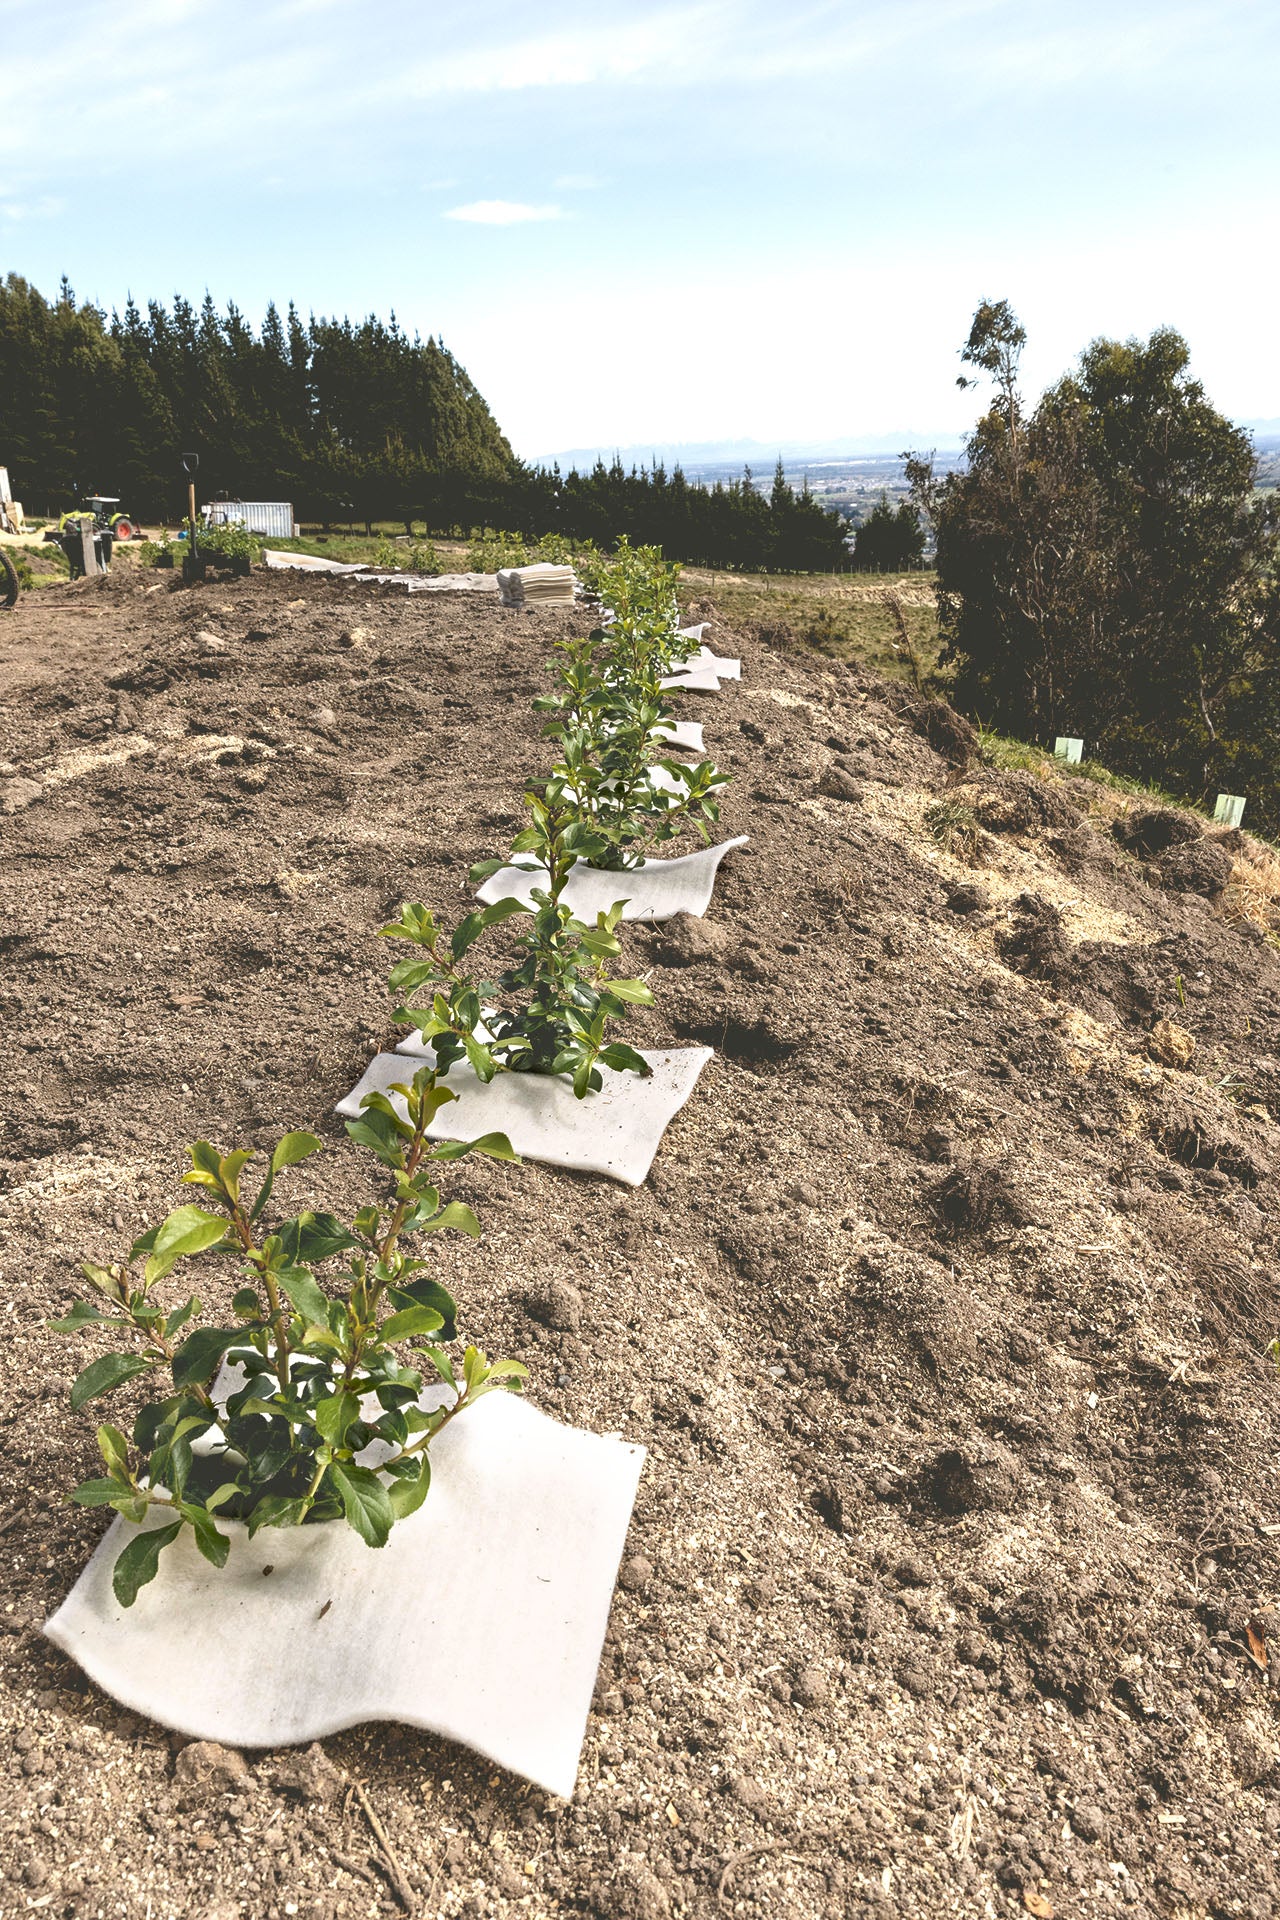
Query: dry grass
{"points": [[850, 616], [1252, 894]]}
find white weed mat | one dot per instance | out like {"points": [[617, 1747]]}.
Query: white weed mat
{"points": [[655, 890], [703, 667], [684, 733], [481, 1619], [615, 1132]]}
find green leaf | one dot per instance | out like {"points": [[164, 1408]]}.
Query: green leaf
{"points": [[634, 992], [114, 1449], [313, 1237], [457, 1216], [187, 1230], [180, 1316], [276, 1510], [83, 1315], [496, 1145], [407, 1495], [412, 1322], [443, 1366], [140, 1561], [248, 1302], [304, 1295], [365, 1502], [213, 1545], [585, 1080], [334, 1415], [482, 1061], [205, 1157], [624, 1059], [293, 1148], [220, 1496], [196, 1361], [102, 1375], [429, 1293], [96, 1493], [232, 1167]]}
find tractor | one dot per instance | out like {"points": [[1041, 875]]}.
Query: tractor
{"points": [[121, 526]]}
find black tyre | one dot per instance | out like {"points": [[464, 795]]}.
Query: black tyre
{"points": [[8, 581]]}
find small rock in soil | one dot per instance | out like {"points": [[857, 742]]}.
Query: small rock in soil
{"points": [[839, 785], [556, 1304], [1172, 1045], [635, 1573], [687, 940], [1090, 1823], [811, 1687], [635, 1894], [971, 1479], [205, 1768], [310, 1775], [969, 899]]}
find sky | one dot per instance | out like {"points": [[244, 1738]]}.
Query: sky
{"points": [[666, 223]]}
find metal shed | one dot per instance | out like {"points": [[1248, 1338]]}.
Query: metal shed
{"points": [[274, 518]]}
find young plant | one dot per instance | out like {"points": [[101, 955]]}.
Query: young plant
{"points": [[612, 722], [550, 1012], [314, 1375]]}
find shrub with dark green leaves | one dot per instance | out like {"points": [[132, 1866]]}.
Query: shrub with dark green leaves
{"points": [[320, 1368], [612, 721], [551, 1012]]}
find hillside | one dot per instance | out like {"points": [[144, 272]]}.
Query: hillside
{"points": [[951, 1587]]}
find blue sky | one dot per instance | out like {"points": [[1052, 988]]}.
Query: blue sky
{"points": [[663, 223]]}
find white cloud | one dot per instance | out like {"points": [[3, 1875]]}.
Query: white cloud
{"points": [[502, 213], [40, 209]]}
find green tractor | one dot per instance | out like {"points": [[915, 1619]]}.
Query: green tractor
{"points": [[121, 526]]}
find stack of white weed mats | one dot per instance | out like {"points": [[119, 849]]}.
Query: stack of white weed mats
{"points": [[543, 585]]}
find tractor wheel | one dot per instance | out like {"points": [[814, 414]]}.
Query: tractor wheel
{"points": [[122, 528], [8, 581]]}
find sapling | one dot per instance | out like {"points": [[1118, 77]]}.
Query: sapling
{"points": [[315, 1376], [611, 720], [552, 1010]]}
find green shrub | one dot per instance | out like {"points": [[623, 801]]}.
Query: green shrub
{"points": [[229, 539], [281, 1449], [490, 550], [549, 1013]]}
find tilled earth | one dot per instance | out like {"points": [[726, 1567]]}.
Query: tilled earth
{"points": [[943, 1314]]}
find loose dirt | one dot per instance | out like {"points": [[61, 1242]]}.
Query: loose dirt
{"points": [[952, 1586]]}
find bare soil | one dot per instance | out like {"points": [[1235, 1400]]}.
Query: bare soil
{"points": [[952, 1586]]}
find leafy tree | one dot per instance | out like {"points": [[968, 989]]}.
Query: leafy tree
{"points": [[1106, 568], [890, 539], [340, 418]]}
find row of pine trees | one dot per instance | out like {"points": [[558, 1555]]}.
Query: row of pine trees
{"points": [[348, 421]]}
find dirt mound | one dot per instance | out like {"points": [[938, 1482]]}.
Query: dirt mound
{"points": [[944, 1313], [1020, 803], [1151, 830]]}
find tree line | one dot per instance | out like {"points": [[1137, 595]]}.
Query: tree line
{"points": [[347, 420], [1108, 569]]}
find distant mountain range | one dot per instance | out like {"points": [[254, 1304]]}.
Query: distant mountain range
{"points": [[757, 454], [760, 455]]}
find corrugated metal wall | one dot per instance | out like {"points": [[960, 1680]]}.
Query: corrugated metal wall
{"points": [[274, 518]]}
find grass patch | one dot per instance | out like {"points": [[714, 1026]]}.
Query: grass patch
{"points": [[848, 616]]}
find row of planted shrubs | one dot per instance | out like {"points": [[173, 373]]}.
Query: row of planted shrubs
{"points": [[280, 1447]]}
